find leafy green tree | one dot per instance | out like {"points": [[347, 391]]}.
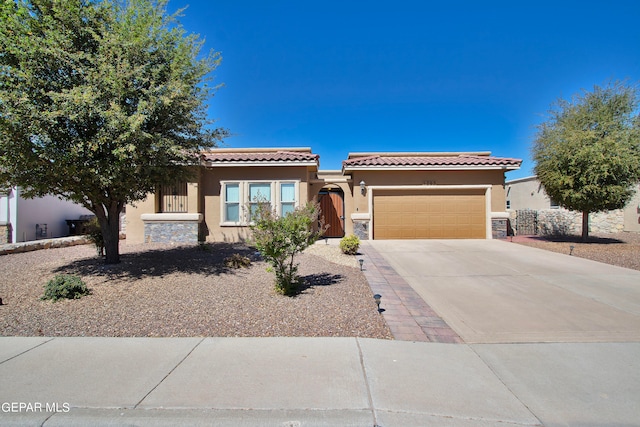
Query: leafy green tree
{"points": [[280, 238], [100, 102], [587, 154]]}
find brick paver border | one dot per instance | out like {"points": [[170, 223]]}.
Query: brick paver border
{"points": [[409, 317]]}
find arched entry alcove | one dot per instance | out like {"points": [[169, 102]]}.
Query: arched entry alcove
{"points": [[331, 199]]}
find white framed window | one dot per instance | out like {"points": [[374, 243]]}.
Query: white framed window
{"points": [[259, 192], [239, 199], [287, 197], [231, 203]]}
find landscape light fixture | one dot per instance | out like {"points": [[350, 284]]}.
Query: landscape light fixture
{"points": [[361, 261], [362, 187], [377, 297], [571, 248]]}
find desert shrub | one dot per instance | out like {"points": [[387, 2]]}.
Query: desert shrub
{"points": [[350, 244], [280, 238], [237, 261], [65, 286], [94, 234]]}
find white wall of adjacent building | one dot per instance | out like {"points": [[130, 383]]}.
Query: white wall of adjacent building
{"points": [[23, 215]]}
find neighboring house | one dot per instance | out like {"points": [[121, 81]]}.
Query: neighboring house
{"points": [[375, 195], [32, 219], [527, 194]]}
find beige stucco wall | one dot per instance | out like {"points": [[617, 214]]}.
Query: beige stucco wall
{"points": [[135, 226], [150, 205], [495, 178]]}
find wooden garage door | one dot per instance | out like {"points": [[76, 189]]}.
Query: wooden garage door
{"points": [[449, 214]]}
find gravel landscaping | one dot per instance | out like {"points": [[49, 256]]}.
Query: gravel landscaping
{"points": [[621, 249], [186, 291]]}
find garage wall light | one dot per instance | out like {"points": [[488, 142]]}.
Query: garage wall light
{"points": [[363, 189]]}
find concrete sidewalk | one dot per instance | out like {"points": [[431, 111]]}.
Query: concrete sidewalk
{"points": [[315, 382]]}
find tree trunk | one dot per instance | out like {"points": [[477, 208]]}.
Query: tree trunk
{"points": [[109, 219], [585, 226]]}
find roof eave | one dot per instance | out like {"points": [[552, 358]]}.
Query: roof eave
{"points": [[418, 154], [258, 150], [430, 168], [234, 163]]}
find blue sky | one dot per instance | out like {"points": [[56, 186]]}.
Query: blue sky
{"points": [[353, 76]]}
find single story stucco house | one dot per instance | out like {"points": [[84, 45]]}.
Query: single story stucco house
{"points": [[375, 195]]}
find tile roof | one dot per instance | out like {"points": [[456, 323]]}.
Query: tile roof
{"points": [[260, 157], [463, 160]]}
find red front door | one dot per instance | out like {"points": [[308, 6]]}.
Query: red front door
{"points": [[332, 207]]}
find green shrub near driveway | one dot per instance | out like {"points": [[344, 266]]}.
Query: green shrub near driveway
{"points": [[350, 244], [65, 286]]}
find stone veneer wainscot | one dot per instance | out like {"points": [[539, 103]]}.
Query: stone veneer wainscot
{"points": [[171, 227], [5, 233]]}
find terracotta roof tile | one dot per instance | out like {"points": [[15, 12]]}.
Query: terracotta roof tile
{"points": [[431, 161], [277, 156]]}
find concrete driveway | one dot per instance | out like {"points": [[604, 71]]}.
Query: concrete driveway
{"points": [[492, 291]]}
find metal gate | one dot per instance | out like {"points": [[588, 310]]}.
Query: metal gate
{"points": [[527, 222]]}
